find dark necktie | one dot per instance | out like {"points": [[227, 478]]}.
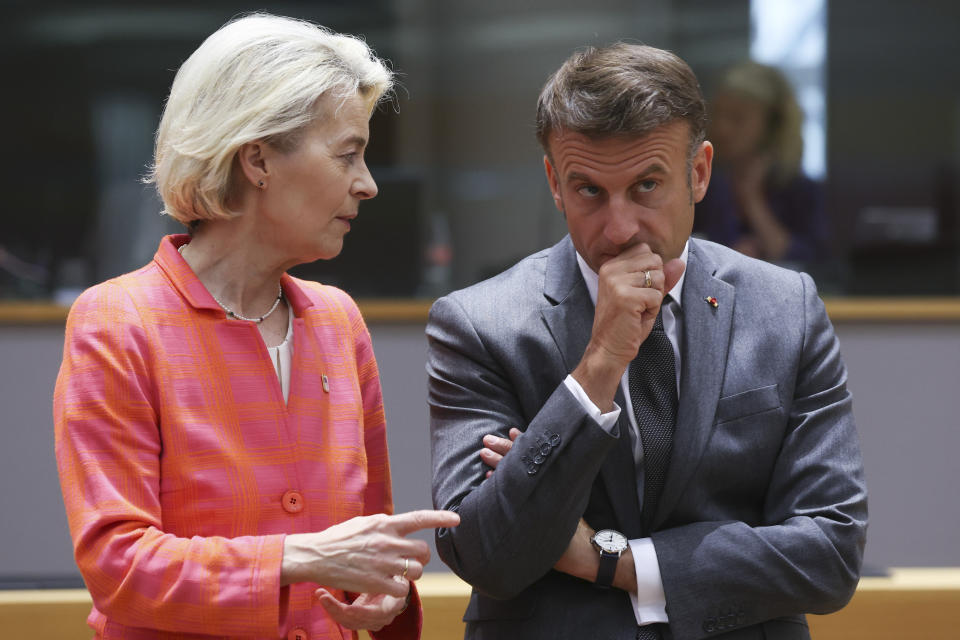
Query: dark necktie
{"points": [[653, 393]]}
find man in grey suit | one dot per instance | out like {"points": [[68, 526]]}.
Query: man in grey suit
{"points": [[687, 464]]}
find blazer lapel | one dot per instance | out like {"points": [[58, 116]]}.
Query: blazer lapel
{"points": [[570, 322], [706, 335], [570, 318]]}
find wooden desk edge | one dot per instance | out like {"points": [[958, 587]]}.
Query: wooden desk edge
{"points": [[380, 310], [399, 311], [893, 309]]}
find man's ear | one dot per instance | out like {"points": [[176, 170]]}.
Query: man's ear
{"points": [[554, 182], [252, 161], [700, 171]]}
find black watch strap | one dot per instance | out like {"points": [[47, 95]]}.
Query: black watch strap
{"points": [[608, 568]]}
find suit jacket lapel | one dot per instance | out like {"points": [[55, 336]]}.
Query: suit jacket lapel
{"points": [[570, 318], [570, 322], [706, 335]]}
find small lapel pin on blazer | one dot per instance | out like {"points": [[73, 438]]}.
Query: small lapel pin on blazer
{"points": [[712, 301], [326, 383]]}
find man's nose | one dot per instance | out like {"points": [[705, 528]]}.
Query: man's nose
{"points": [[621, 223]]}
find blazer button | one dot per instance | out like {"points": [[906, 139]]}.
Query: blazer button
{"points": [[292, 502], [710, 625], [298, 634]]}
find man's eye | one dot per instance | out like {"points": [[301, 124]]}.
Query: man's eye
{"points": [[647, 185], [588, 191]]}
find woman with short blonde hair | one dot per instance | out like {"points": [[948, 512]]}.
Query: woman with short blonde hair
{"points": [[258, 78], [220, 433], [759, 201]]}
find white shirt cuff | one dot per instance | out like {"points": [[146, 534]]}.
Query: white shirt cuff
{"points": [[607, 421], [649, 603]]}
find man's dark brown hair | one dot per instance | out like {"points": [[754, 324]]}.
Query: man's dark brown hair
{"points": [[621, 90]]}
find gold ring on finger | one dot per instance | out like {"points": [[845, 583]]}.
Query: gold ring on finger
{"points": [[647, 280], [406, 567]]}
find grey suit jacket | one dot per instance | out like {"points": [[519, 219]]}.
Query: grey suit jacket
{"points": [[763, 514]]}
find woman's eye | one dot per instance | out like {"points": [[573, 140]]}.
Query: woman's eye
{"points": [[350, 157]]}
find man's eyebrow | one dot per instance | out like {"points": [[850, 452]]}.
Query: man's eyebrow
{"points": [[576, 175], [653, 169]]}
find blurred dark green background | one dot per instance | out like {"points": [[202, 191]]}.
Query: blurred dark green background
{"points": [[461, 188]]}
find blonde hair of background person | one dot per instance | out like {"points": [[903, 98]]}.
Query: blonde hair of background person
{"points": [[220, 431], [759, 201], [781, 122]]}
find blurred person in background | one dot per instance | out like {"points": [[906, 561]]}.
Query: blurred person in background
{"points": [[220, 432], [760, 202]]}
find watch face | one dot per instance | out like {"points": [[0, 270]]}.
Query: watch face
{"points": [[610, 541]]}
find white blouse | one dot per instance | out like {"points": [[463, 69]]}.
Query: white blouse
{"points": [[281, 356]]}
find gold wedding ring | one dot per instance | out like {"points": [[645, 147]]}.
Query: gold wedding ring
{"points": [[647, 280], [406, 567]]}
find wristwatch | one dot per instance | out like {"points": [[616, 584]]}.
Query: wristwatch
{"points": [[610, 544]]}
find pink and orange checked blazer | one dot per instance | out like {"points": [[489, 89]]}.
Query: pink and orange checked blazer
{"points": [[182, 468]]}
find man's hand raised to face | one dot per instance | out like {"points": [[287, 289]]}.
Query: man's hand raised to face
{"points": [[631, 289]]}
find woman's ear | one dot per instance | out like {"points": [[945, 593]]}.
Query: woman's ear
{"points": [[252, 160]]}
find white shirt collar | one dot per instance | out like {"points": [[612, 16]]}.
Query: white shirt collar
{"points": [[592, 280]]}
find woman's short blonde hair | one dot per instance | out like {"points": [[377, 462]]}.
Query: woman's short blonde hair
{"points": [[257, 78], [769, 86]]}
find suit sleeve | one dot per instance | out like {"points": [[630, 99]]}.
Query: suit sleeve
{"points": [[516, 524], [804, 557], [108, 450]]}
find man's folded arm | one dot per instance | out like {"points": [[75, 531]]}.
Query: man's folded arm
{"points": [[516, 524]]}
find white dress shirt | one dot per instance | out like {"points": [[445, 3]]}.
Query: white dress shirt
{"points": [[649, 604]]}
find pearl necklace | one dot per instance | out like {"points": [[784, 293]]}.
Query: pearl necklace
{"points": [[234, 314]]}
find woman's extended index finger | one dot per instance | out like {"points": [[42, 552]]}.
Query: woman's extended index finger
{"points": [[411, 521]]}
